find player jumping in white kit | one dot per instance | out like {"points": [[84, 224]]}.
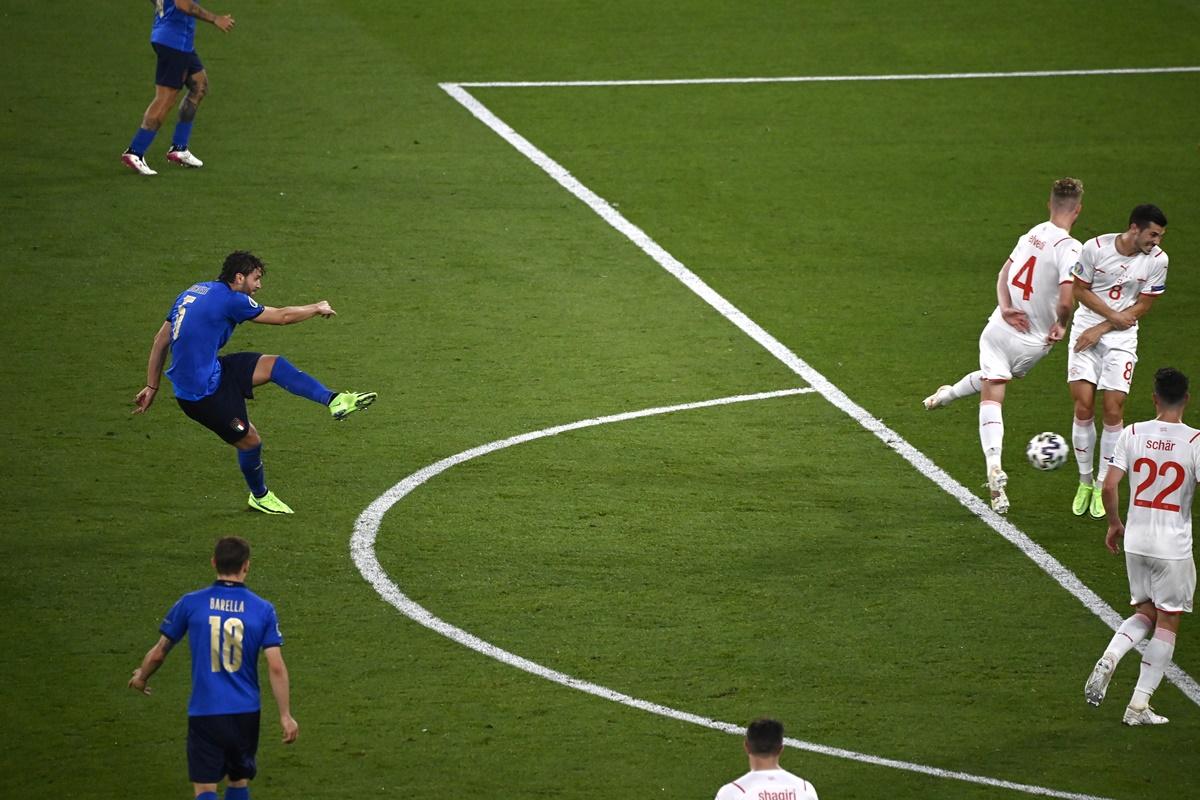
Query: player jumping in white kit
{"points": [[1116, 280], [1033, 294]]}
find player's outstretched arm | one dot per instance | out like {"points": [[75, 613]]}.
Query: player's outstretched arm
{"points": [[193, 9], [153, 659], [289, 315], [154, 368], [280, 687]]}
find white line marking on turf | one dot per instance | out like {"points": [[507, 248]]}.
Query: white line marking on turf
{"points": [[827, 389], [362, 547], [935, 76]]}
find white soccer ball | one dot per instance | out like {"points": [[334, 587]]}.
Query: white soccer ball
{"points": [[1047, 451]]}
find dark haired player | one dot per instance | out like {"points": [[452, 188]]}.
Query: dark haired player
{"points": [[1116, 281], [226, 625], [763, 744], [1162, 457], [213, 389], [173, 38]]}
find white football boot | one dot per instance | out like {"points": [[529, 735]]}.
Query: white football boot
{"points": [[1097, 683], [184, 158], [136, 163], [997, 480], [1143, 716], [939, 398]]}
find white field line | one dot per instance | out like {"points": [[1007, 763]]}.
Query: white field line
{"points": [[935, 76], [362, 548], [1065, 578]]}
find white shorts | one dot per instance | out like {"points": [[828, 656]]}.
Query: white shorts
{"points": [[1005, 354], [1168, 583], [1108, 368]]}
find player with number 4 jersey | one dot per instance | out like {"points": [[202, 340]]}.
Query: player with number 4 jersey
{"points": [[1162, 459], [1033, 294], [1117, 279]]}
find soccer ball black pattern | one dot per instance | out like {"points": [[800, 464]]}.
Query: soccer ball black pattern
{"points": [[1047, 451]]}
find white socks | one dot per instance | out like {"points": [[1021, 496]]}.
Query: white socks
{"points": [[1154, 663], [1132, 631], [1108, 445], [991, 431], [1083, 438], [967, 385]]}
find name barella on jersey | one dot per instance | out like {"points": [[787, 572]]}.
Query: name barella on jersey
{"points": [[1162, 460], [1041, 262], [1117, 279]]}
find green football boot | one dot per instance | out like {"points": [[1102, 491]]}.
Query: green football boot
{"points": [[1083, 498], [269, 504], [1097, 510], [344, 404]]}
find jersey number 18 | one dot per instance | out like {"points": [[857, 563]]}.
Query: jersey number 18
{"points": [[226, 651]]}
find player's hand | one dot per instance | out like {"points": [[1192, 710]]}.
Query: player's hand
{"points": [[224, 22], [1056, 333], [325, 310], [1112, 540], [143, 400], [291, 728], [1016, 318], [138, 683], [1123, 320], [1087, 339]]}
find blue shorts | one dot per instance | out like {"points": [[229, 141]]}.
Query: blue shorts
{"points": [[220, 745], [224, 411], [175, 66]]}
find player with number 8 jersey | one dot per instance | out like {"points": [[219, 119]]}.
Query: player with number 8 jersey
{"points": [[1117, 279], [1033, 303]]}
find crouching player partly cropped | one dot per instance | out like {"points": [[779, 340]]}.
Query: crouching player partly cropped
{"points": [[1162, 457]]}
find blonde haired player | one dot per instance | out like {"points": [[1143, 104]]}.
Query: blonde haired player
{"points": [[1162, 457], [1033, 293], [1116, 280]]}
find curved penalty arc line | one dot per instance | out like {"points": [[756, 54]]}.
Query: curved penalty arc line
{"points": [[362, 548]]}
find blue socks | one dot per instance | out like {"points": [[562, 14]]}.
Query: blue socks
{"points": [[237, 793], [141, 141], [207, 796], [252, 467], [299, 383], [183, 132]]}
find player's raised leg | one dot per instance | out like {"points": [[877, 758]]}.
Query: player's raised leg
{"points": [[179, 153], [281, 372], [1132, 631], [967, 385]]}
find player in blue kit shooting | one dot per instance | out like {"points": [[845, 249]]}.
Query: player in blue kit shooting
{"points": [[226, 625], [213, 389], [173, 38]]}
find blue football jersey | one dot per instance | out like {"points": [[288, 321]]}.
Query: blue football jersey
{"points": [[172, 27], [202, 320], [226, 625]]}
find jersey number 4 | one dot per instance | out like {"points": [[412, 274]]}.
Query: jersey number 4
{"points": [[1023, 280], [226, 651], [1155, 471]]}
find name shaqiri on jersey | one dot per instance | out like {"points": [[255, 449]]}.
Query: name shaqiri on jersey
{"points": [[1162, 460]]}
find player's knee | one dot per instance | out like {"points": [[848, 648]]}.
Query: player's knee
{"points": [[250, 441], [198, 89]]}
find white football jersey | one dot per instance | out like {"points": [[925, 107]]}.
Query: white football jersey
{"points": [[1041, 261], [1117, 280], [768, 784], [1162, 460]]}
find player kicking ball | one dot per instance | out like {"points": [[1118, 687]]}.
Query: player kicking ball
{"points": [[1033, 293], [1162, 457], [212, 389]]}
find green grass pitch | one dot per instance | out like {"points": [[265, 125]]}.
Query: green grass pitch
{"points": [[770, 557]]}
